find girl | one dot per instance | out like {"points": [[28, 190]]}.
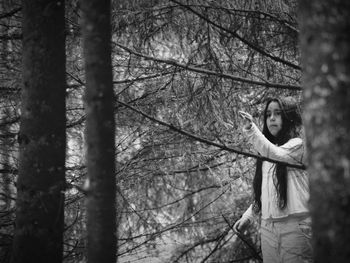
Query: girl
{"points": [[281, 192]]}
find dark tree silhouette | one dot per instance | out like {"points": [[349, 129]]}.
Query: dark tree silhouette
{"points": [[38, 234], [100, 132]]}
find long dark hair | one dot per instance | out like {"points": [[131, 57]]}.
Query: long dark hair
{"points": [[291, 123]]}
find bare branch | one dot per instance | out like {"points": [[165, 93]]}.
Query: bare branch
{"points": [[10, 13]]}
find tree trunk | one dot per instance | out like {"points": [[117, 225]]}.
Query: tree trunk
{"points": [[100, 132], [40, 185], [325, 45]]}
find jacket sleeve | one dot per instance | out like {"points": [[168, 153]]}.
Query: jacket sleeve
{"points": [[291, 152], [249, 213]]}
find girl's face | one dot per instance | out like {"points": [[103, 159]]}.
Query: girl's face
{"points": [[274, 118]]}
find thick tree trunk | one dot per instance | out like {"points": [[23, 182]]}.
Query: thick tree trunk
{"points": [[325, 45], [100, 132], [42, 138]]}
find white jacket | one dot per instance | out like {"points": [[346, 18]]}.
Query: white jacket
{"points": [[297, 185]]}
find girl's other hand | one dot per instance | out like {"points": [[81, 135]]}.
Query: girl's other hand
{"points": [[248, 119], [241, 224]]}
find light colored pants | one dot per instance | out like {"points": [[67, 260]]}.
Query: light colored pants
{"points": [[287, 240]]}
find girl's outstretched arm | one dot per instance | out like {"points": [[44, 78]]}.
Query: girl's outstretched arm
{"points": [[291, 152]]}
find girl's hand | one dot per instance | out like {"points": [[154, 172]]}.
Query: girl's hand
{"points": [[248, 119], [241, 224]]}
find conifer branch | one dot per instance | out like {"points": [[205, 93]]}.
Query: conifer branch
{"points": [[206, 141], [265, 84]]}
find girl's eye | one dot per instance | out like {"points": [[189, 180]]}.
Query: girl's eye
{"points": [[275, 113]]}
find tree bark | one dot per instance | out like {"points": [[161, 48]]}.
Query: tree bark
{"points": [[325, 46], [41, 180], [100, 132]]}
